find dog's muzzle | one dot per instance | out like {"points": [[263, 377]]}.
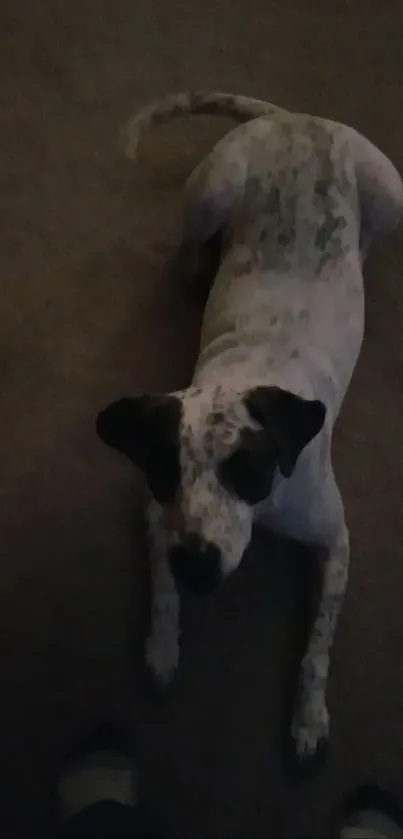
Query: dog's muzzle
{"points": [[196, 564]]}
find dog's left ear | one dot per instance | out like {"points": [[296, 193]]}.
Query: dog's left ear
{"points": [[380, 188], [146, 429], [290, 421]]}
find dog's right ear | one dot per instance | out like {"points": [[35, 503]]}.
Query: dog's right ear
{"points": [[289, 421], [146, 429]]}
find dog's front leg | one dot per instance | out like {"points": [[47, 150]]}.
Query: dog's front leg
{"points": [[310, 724], [162, 645]]}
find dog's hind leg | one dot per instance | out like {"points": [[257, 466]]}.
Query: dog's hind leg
{"points": [[212, 194]]}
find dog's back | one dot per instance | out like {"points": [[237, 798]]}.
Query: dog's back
{"points": [[288, 295]]}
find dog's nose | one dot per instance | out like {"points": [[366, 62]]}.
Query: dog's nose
{"points": [[196, 564]]}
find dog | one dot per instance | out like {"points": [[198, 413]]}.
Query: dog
{"points": [[296, 201]]}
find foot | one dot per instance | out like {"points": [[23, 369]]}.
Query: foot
{"points": [[310, 728], [101, 768], [162, 658], [371, 813]]}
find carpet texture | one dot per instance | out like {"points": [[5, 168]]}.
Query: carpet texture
{"points": [[88, 315]]}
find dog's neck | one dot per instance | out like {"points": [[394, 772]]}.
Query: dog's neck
{"points": [[244, 366]]}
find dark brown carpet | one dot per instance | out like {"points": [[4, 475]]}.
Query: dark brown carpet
{"points": [[86, 315]]}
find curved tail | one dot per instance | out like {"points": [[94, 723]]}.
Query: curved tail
{"points": [[241, 108]]}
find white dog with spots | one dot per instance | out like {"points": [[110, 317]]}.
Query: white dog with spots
{"points": [[295, 201]]}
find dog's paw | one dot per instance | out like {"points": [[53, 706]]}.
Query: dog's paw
{"points": [[310, 732], [162, 659]]}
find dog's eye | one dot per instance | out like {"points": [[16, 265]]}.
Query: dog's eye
{"points": [[248, 472]]}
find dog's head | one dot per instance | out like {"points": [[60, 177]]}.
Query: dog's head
{"points": [[209, 456]]}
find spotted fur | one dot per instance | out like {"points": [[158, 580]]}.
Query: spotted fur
{"points": [[296, 201]]}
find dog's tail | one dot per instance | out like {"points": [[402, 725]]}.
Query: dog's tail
{"points": [[241, 108]]}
